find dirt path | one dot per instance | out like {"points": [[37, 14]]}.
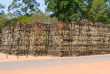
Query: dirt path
{"points": [[3, 58], [58, 63], [92, 68]]}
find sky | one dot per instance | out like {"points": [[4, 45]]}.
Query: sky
{"points": [[8, 2]]}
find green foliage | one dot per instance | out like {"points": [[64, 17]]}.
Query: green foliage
{"points": [[84, 8], [11, 15], [98, 12], [2, 7], [64, 10], [24, 7], [69, 10], [11, 22], [3, 19], [80, 10], [37, 18], [42, 18]]}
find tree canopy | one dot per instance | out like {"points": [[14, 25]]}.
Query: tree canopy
{"points": [[64, 10], [79, 10], [24, 7], [98, 11], [2, 7]]}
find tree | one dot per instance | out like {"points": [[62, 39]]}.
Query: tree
{"points": [[3, 19], [37, 18], [12, 21], [64, 10], [98, 12], [42, 18], [84, 8], [11, 15], [24, 7], [108, 11], [2, 7]]}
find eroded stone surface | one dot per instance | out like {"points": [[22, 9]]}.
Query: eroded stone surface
{"points": [[63, 39]]}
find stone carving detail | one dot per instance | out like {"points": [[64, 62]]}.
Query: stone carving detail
{"points": [[76, 38]]}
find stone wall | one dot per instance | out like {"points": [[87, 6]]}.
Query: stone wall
{"points": [[18, 38], [7, 38], [62, 39]]}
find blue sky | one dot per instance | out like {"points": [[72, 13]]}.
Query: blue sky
{"points": [[8, 2]]}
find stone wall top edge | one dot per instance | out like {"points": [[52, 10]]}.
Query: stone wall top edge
{"points": [[75, 23]]}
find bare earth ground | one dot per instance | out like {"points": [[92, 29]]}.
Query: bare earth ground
{"points": [[102, 67], [3, 58], [93, 68]]}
